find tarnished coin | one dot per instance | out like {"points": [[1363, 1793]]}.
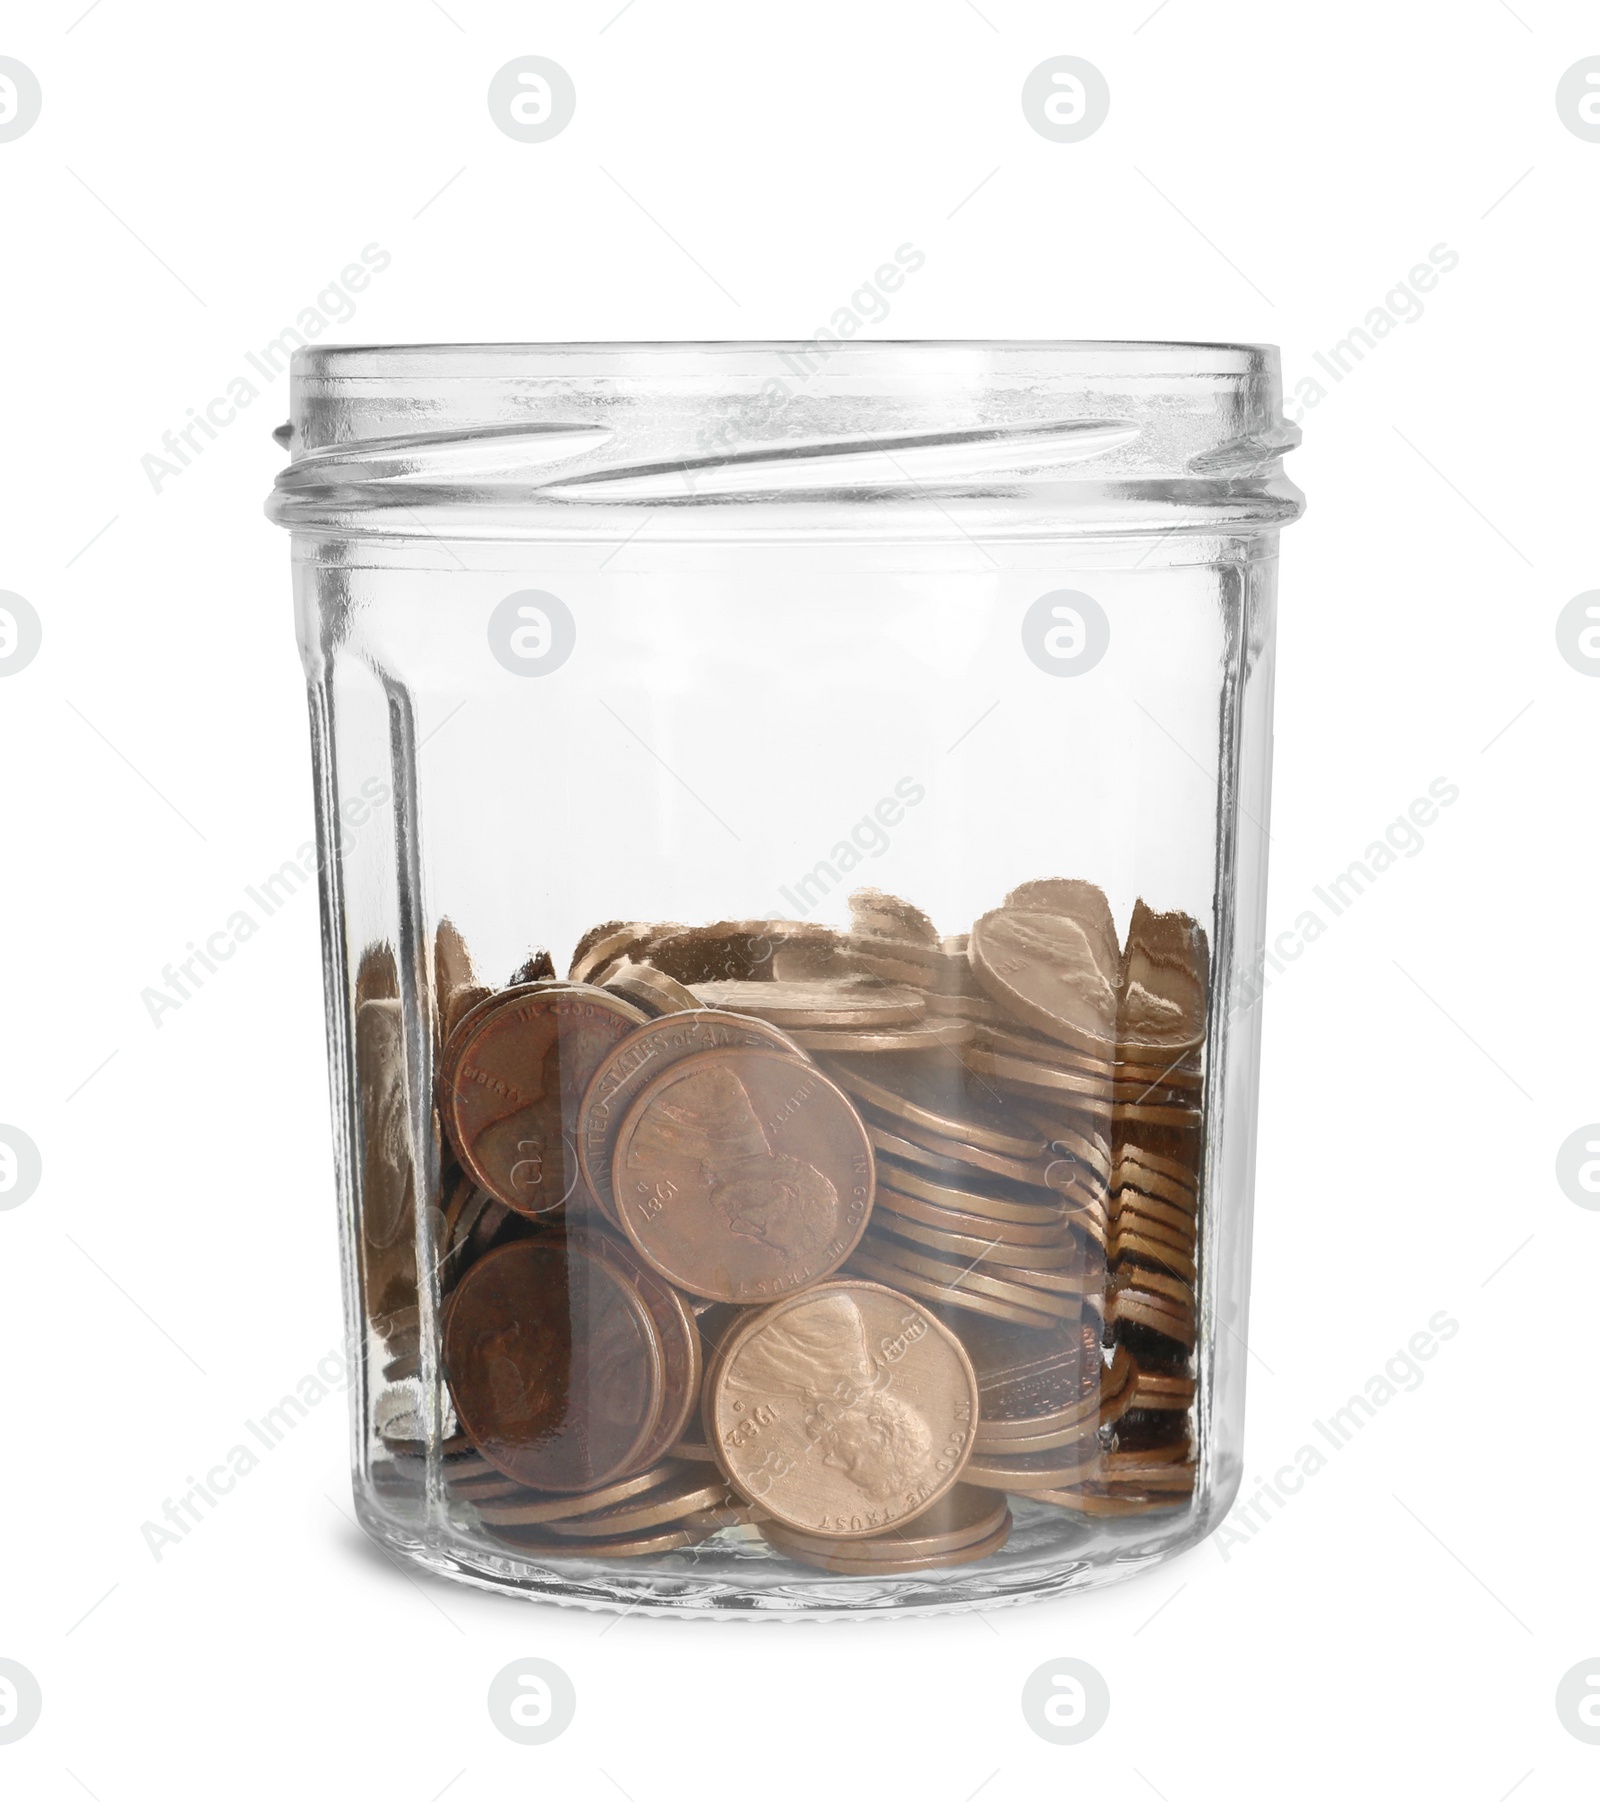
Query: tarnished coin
{"points": [[627, 1070], [843, 1410], [468, 1018], [689, 1493], [1050, 955], [554, 1365], [840, 1001], [511, 1106], [532, 1509], [941, 1095], [742, 1174]]}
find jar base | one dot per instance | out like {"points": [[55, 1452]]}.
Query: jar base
{"points": [[734, 1575]]}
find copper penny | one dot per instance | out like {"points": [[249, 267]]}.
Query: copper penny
{"points": [[532, 1508], [1050, 955], [843, 1410], [554, 1365], [940, 1095], [512, 1101], [676, 1328], [1028, 1382], [838, 1001], [742, 1174], [646, 987], [929, 1035], [960, 1518], [689, 1493], [627, 1071], [1163, 983], [844, 1565]]}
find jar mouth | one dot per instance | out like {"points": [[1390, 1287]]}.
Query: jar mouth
{"points": [[821, 435]]}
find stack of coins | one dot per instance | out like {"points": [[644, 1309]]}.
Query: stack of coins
{"points": [[841, 1237]]}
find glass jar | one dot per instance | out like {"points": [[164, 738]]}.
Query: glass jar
{"points": [[793, 829]]}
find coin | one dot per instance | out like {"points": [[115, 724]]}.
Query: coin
{"points": [[934, 1149], [942, 1294], [676, 1328], [1130, 1204], [554, 1365], [1163, 1389], [743, 950], [1089, 1502], [1139, 1161], [971, 1195], [646, 987], [842, 1001], [634, 1063], [958, 1285], [687, 1532], [843, 1565], [1025, 1471], [1029, 1381], [931, 1035], [843, 1410], [740, 1174], [1163, 982], [1050, 955], [1089, 1095], [534, 1508], [892, 1201], [1130, 1308], [961, 1517], [993, 1250], [690, 1492], [512, 1101], [938, 1095], [602, 945]]}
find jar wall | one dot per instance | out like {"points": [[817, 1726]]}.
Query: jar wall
{"points": [[755, 732]]}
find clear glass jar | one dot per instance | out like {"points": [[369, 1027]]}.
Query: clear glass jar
{"points": [[793, 825]]}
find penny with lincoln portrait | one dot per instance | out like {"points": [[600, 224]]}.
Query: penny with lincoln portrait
{"points": [[742, 1174], [843, 1410]]}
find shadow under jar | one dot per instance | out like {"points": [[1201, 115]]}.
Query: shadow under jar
{"points": [[792, 829]]}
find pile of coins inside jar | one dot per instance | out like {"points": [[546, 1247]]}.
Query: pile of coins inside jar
{"points": [[845, 1238]]}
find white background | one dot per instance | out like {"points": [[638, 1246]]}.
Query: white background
{"points": [[198, 174]]}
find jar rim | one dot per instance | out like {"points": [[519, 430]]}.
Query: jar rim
{"points": [[819, 436]]}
